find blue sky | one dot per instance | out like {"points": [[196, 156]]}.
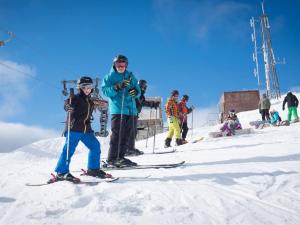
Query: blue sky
{"points": [[200, 47]]}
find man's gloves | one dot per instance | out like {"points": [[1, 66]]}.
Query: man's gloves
{"points": [[69, 108], [132, 92], [121, 85], [191, 109]]}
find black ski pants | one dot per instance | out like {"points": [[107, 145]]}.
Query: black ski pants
{"points": [[131, 140], [121, 128], [265, 114], [184, 130]]}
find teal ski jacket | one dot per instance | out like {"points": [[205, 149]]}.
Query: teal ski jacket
{"points": [[115, 97]]}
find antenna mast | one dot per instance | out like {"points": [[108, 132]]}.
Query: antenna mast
{"points": [[271, 77]]}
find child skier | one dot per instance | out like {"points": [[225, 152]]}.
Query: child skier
{"points": [[173, 120], [183, 111], [80, 108]]}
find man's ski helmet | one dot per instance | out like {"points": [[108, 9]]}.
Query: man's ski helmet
{"points": [[185, 97], [120, 58], [174, 92], [84, 81], [143, 84]]}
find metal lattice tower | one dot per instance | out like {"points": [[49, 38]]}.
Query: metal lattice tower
{"points": [[10, 36], [271, 77]]}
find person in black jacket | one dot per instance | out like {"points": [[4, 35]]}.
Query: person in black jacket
{"points": [[80, 108], [140, 103], [292, 103]]}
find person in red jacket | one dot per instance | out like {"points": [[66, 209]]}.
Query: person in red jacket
{"points": [[183, 112]]}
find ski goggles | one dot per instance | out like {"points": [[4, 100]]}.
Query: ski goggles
{"points": [[86, 86], [120, 64]]}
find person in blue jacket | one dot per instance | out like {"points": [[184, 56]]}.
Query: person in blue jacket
{"points": [[275, 118], [121, 87]]}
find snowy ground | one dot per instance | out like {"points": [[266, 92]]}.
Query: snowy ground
{"points": [[247, 179]]}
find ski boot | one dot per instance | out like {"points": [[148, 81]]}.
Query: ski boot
{"points": [[179, 141], [184, 141], [97, 173], [168, 142], [134, 152], [62, 177], [127, 162], [122, 162]]}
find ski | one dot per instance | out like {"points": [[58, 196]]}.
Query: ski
{"points": [[218, 134], [166, 152], [197, 140], [76, 181], [94, 182], [151, 166]]}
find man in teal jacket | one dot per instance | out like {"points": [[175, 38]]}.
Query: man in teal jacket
{"points": [[121, 87]]}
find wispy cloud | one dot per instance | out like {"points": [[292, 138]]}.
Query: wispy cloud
{"points": [[15, 135], [201, 19], [14, 87]]}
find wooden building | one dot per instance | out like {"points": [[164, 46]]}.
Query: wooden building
{"points": [[240, 101]]}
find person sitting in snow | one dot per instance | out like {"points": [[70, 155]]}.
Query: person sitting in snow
{"points": [[275, 118], [80, 108], [231, 124]]}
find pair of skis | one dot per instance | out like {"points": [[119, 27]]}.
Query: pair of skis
{"points": [[150, 166], [113, 179]]}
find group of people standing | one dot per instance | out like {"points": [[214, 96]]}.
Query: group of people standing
{"points": [[268, 115], [272, 116], [177, 118], [126, 99]]}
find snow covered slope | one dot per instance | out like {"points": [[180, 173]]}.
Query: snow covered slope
{"points": [[247, 179]]}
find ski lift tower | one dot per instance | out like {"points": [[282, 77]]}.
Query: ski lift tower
{"points": [[10, 36], [271, 77]]}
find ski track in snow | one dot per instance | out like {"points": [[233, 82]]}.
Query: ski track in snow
{"points": [[247, 179]]}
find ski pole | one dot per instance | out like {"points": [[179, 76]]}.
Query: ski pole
{"points": [[148, 128], [192, 125], [182, 122], [154, 129], [69, 125]]}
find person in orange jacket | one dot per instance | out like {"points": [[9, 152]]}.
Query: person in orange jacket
{"points": [[183, 112], [173, 120]]}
